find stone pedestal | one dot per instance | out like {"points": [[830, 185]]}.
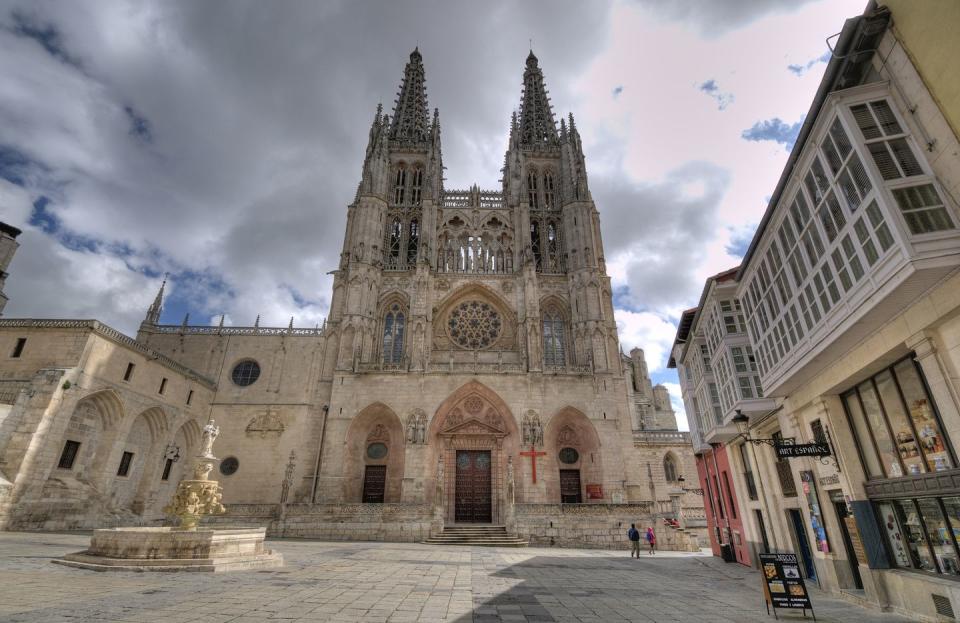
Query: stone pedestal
{"points": [[173, 549]]}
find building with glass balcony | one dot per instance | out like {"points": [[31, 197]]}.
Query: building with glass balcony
{"points": [[841, 327]]}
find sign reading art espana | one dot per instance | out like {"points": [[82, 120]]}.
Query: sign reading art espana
{"points": [[786, 450], [783, 585]]}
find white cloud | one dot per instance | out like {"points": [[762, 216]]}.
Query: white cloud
{"points": [[649, 331], [258, 120]]}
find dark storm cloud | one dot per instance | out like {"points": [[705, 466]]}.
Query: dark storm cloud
{"points": [[662, 228], [775, 130], [226, 139], [716, 17]]}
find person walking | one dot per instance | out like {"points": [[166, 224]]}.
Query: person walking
{"points": [[651, 541], [634, 535]]}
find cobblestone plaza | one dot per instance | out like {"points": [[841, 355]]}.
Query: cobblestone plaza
{"points": [[395, 582]]}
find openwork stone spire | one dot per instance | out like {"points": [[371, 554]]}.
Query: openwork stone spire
{"points": [[537, 127], [410, 121], [153, 313]]}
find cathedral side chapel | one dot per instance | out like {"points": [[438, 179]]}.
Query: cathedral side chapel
{"points": [[469, 372]]}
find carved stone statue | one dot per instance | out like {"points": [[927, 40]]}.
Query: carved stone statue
{"points": [[288, 477], [412, 428], [422, 428], [532, 429], [210, 433]]}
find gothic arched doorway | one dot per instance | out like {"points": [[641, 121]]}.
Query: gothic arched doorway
{"points": [[475, 436], [573, 442], [374, 459]]}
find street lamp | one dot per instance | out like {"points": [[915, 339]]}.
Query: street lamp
{"points": [[682, 480]]}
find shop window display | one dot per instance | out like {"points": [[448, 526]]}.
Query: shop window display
{"points": [[896, 425], [939, 535], [915, 536]]}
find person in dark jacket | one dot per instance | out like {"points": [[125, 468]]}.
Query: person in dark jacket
{"points": [[634, 535]]}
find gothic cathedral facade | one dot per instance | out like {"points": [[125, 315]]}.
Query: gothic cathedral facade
{"points": [[469, 371]]}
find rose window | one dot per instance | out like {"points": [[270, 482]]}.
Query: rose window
{"points": [[474, 325]]}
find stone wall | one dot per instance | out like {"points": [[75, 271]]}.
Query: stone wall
{"points": [[396, 523], [601, 526]]}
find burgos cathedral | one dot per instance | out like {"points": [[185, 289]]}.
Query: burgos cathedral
{"points": [[468, 382]]}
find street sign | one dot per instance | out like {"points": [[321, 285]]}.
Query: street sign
{"points": [[783, 585], [786, 450]]}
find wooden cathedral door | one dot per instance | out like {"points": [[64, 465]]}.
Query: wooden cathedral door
{"points": [[374, 484], [570, 486], [473, 487]]}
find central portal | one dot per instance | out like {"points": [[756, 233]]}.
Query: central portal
{"points": [[473, 490]]}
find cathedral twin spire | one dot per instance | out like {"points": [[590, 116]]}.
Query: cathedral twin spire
{"points": [[410, 120], [536, 125]]}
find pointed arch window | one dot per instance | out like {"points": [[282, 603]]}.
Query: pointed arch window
{"points": [[413, 241], [548, 196], [554, 351], [532, 194], [416, 184], [400, 186], [393, 246], [393, 329], [553, 246], [535, 242], [670, 468]]}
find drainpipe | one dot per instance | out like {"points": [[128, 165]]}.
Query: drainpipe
{"points": [[316, 473]]}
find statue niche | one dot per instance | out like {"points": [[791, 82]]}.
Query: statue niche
{"points": [[532, 429]]}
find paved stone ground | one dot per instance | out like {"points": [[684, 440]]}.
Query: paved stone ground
{"points": [[394, 582]]}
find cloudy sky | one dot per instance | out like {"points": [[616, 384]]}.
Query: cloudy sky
{"points": [[221, 141]]}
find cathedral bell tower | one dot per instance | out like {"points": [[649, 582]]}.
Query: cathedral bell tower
{"points": [[390, 228], [545, 177]]}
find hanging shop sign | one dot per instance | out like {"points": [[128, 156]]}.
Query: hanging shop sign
{"points": [[787, 451], [783, 585], [594, 492]]}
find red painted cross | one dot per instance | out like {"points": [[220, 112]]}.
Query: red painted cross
{"points": [[533, 454]]}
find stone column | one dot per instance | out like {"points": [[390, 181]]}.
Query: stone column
{"points": [[510, 516], [944, 392], [436, 525]]}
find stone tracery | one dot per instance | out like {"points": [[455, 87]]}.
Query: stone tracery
{"points": [[474, 325]]}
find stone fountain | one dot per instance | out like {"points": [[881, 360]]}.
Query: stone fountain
{"points": [[186, 547]]}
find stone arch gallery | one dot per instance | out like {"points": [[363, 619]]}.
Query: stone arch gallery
{"points": [[469, 372]]}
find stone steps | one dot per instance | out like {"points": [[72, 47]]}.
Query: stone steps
{"points": [[481, 535]]}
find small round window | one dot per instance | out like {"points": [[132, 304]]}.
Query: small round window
{"points": [[377, 450], [246, 373], [569, 456], [229, 466]]}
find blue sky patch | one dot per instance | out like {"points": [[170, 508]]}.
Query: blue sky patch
{"points": [[139, 125], [775, 130], [44, 34], [740, 241], [804, 68], [711, 88]]}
